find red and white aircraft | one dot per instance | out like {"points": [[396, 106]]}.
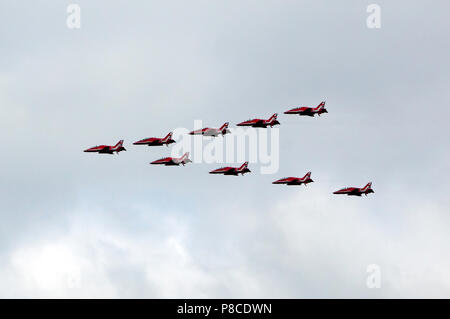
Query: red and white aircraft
{"points": [[171, 161], [355, 191], [295, 180], [232, 170], [309, 111], [106, 149], [207, 131], [155, 141], [261, 123]]}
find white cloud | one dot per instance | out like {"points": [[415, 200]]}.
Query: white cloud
{"points": [[306, 245], [95, 226]]}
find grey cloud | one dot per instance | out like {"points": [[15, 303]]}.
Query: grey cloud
{"points": [[143, 69]]}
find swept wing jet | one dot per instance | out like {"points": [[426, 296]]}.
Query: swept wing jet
{"points": [[232, 170], [295, 180], [155, 141], [207, 131], [261, 123], [355, 191], [107, 149], [172, 161], [309, 111]]}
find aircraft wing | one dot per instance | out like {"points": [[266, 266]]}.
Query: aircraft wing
{"points": [[223, 170], [258, 123], [345, 191], [165, 160]]}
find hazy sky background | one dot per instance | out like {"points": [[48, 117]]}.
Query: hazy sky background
{"points": [[86, 225]]}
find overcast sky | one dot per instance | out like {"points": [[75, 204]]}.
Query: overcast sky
{"points": [[75, 224]]}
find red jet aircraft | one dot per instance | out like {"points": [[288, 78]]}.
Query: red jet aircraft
{"points": [[295, 180], [207, 131], [232, 170], [355, 191], [155, 141], [261, 123], [106, 149], [171, 161], [309, 111]]}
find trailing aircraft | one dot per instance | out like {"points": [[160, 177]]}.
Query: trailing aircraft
{"points": [[355, 191], [107, 149], [261, 123], [207, 131], [171, 161], [295, 180], [232, 170], [155, 141]]}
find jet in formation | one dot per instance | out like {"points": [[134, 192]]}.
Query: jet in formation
{"points": [[295, 180], [207, 131], [107, 149], [172, 161], [235, 171], [232, 170], [309, 111], [355, 191], [155, 141], [261, 123]]}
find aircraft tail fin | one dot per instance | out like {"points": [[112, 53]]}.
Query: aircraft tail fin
{"points": [[168, 137], [224, 126], [369, 185], [320, 106], [185, 157], [118, 145], [243, 166], [273, 117], [308, 175]]}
